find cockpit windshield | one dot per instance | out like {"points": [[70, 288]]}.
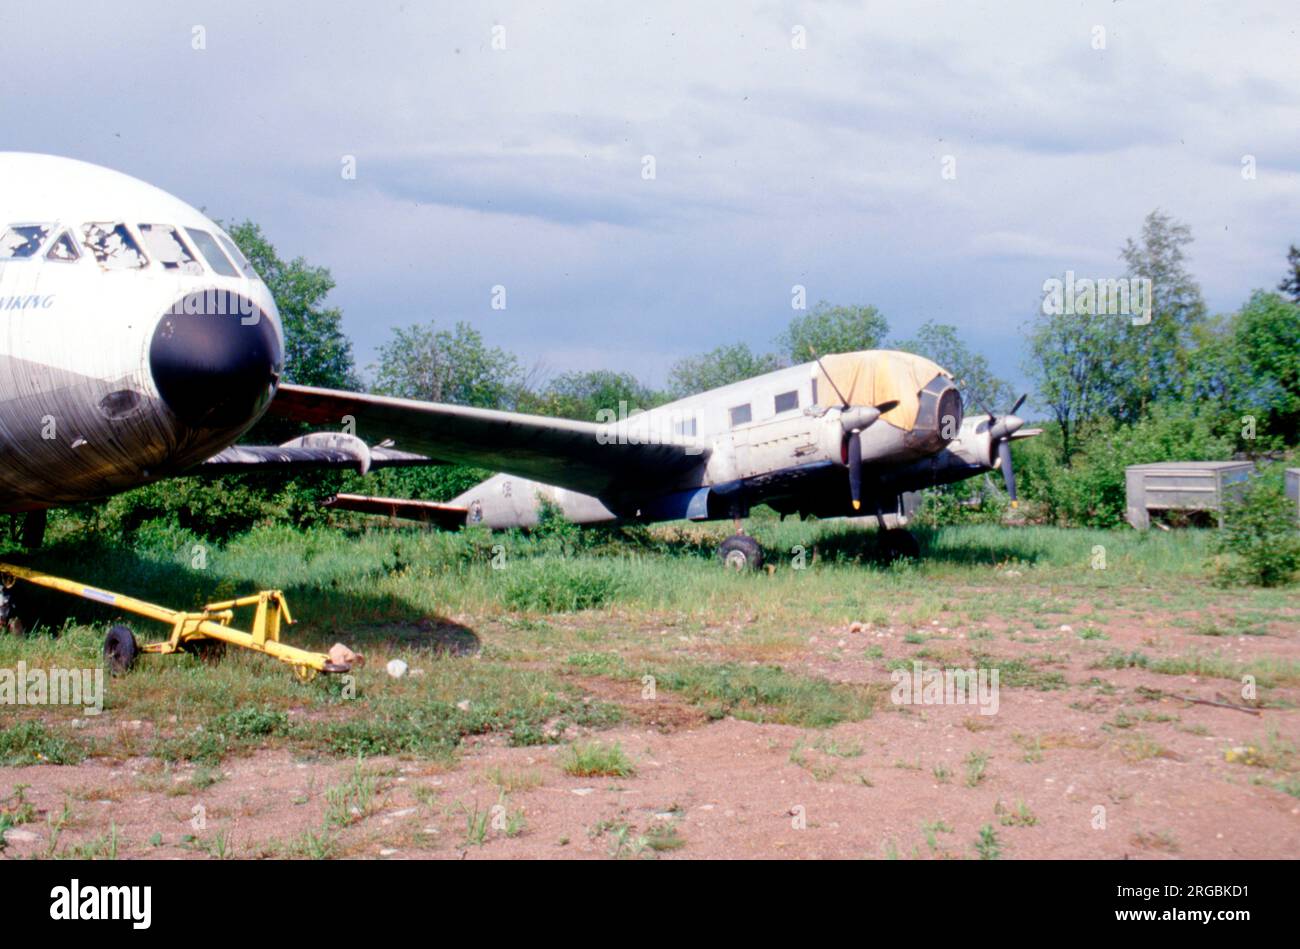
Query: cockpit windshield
{"points": [[113, 246], [21, 241], [237, 256], [165, 245], [211, 252]]}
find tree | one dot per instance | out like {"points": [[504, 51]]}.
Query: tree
{"points": [[1156, 355], [1074, 362], [939, 342], [719, 367], [1266, 333], [422, 362], [580, 395], [316, 351], [832, 329], [1290, 284]]}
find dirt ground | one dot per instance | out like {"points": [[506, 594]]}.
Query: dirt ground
{"points": [[1116, 765]]}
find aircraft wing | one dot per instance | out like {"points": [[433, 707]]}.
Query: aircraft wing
{"points": [[325, 450], [581, 456]]}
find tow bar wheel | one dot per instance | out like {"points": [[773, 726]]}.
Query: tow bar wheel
{"points": [[120, 650]]}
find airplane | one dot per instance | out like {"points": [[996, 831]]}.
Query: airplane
{"points": [[139, 344], [841, 436]]}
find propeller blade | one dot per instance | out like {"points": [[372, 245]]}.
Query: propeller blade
{"points": [[855, 469], [1008, 472], [885, 407], [1019, 402]]}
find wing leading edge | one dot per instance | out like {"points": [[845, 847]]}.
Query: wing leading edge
{"points": [[606, 461]]}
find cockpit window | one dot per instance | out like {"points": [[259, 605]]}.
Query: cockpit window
{"points": [[23, 240], [165, 246], [113, 246], [63, 249], [211, 252], [238, 257]]}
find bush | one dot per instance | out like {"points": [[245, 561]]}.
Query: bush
{"points": [[559, 586], [1259, 541], [1090, 492]]}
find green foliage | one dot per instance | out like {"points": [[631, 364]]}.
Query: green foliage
{"points": [[966, 502], [832, 329], [564, 586], [213, 508], [453, 366], [1259, 535], [1267, 335], [28, 743], [1090, 491], [718, 367], [581, 395], [431, 483], [317, 353]]}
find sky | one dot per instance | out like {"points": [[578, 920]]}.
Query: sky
{"points": [[937, 160]]}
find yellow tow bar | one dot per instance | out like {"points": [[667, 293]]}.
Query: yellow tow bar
{"points": [[212, 623]]}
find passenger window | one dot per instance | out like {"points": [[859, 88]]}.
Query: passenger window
{"points": [[23, 240], [740, 415], [211, 252], [787, 401], [238, 257], [63, 249], [164, 244], [113, 246]]}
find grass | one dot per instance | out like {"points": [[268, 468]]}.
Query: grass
{"points": [[513, 652], [597, 760]]}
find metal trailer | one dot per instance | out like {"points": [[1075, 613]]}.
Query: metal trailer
{"points": [[1182, 486], [205, 632], [1293, 489]]}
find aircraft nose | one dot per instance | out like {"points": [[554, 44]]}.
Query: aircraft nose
{"points": [[216, 359]]}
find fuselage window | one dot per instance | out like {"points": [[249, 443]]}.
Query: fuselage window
{"points": [[238, 257], [166, 247], [113, 246], [63, 249], [786, 401], [740, 415], [23, 240], [212, 252]]}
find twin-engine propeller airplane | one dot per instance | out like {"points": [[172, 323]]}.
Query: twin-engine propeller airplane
{"points": [[139, 344]]}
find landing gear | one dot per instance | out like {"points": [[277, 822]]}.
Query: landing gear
{"points": [[120, 650], [897, 544], [740, 552]]}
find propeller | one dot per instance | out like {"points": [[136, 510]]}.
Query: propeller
{"points": [[1001, 432], [854, 419]]}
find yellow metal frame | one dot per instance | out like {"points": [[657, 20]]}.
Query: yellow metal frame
{"points": [[210, 623]]}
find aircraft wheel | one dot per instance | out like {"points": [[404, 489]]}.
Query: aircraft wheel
{"points": [[119, 649], [741, 552], [898, 544]]}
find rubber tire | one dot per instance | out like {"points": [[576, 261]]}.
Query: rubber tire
{"points": [[740, 552], [897, 543], [120, 650]]}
